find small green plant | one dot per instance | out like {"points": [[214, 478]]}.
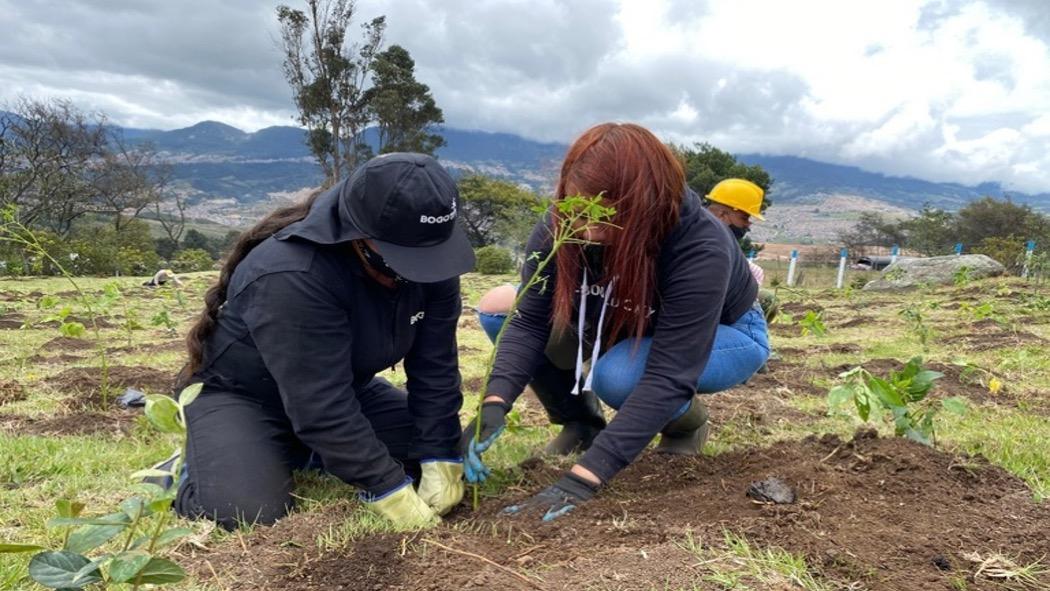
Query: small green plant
{"points": [[135, 538], [164, 319], [913, 314], [962, 276], [813, 323], [973, 374], [574, 216], [902, 395], [894, 273]]}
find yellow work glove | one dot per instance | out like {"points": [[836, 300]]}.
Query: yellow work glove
{"points": [[441, 486], [403, 507]]}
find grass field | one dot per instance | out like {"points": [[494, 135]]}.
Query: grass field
{"points": [[873, 511]]}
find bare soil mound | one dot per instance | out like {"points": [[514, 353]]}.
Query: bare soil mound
{"points": [[67, 344], [11, 391], [880, 514], [86, 423], [85, 383], [11, 321]]}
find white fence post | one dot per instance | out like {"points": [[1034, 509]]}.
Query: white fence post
{"points": [[842, 268], [1028, 252], [791, 268]]}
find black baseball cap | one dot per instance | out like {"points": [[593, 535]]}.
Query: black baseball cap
{"points": [[406, 204]]}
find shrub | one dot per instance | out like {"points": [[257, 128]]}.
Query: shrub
{"points": [[192, 259], [494, 260]]}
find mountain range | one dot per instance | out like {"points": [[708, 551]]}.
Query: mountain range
{"points": [[220, 161]]}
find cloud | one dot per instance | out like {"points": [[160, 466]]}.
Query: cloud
{"points": [[940, 89]]}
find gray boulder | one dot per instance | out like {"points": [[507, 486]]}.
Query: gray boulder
{"points": [[913, 272]]}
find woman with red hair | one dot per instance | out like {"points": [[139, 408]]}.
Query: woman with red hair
{"points": [[663, 289]]}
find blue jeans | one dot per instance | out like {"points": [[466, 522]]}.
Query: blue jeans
{"points": [[740, 349]]}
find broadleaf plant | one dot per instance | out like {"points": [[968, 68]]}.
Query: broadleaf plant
{"points": [[135, 536], [902, 396]]}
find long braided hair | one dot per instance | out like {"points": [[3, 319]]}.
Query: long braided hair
{"points": [[216, 294]]}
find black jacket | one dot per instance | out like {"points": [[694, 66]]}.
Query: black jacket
{"points": [[303, 326], [702, 281]]}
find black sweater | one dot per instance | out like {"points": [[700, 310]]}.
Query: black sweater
{"points": [[702, 281], [303, 327]]}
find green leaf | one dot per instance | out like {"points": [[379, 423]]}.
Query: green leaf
{"points": [[160, 571], [863, 404], [163, 412], [89, 537], [189, 394], [59, 570], [838, 396], [134, 508], [126, 565], [72, 329], [16, 548], [171, 536], [112, 519], [68, 508], [955, 405], [886, 393]]}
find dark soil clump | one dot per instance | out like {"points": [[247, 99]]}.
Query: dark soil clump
{"points": [[799, 309], [67, 344], [854, 322], [89, 423], [12, 321], [871, 511], [86, 383], [11, 391]]}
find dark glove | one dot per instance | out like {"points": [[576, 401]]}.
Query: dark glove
{"points": [[557, 499], [493, 420]]}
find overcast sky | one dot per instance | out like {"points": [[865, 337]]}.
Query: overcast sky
{"points": [[939, 89]]}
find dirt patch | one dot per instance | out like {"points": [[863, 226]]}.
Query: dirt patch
{"points": [[87, 423], [67, 344], [799, 309], [469, 322], [781, 329], [85, 383], [163, 347], [12, 321], [844, 348], [11, 391], [854, 322], [780, 375], [883, 514], [17, 296], [64, 358], [99, 322], [991, 336]]}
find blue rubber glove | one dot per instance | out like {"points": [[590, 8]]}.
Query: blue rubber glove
{"points": [[556, 500], [493, 419]]}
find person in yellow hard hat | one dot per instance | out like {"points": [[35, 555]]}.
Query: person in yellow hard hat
{"points": [[735, 202]]}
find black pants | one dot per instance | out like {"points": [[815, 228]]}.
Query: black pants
{"points": [[240, 453]]}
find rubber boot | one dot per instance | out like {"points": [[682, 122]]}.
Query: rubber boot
{"points": [[580, 414], [686, 435]]}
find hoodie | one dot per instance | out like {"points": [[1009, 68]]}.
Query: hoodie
{"points": [[702, 281]]}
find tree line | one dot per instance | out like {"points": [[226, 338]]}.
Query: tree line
{"points": [[995, 227]]}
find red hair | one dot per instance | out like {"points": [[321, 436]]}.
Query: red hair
{"points": [[643, 180]]}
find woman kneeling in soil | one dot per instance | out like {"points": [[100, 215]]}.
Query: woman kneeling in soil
{"points": [[312, 303], [671, 288]]}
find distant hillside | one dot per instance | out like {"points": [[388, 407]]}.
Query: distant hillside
{"points": [[216, 161]]}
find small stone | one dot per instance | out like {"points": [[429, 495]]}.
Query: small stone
{"points": [[771, 490], [941, 562]]}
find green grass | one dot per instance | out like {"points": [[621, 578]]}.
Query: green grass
{"points": [[735, 563]]}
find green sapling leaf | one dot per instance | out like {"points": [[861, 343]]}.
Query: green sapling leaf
{"points": [[58, 570], [163, 412]]}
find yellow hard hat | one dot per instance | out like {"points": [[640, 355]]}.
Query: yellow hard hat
{"points": [[739, 194]]}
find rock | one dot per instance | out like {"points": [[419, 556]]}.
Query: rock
{"points": [[912, 272], [771, 490]]}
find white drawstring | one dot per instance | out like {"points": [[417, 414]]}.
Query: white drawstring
{"points": [[596, 351], [584, 288]]}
